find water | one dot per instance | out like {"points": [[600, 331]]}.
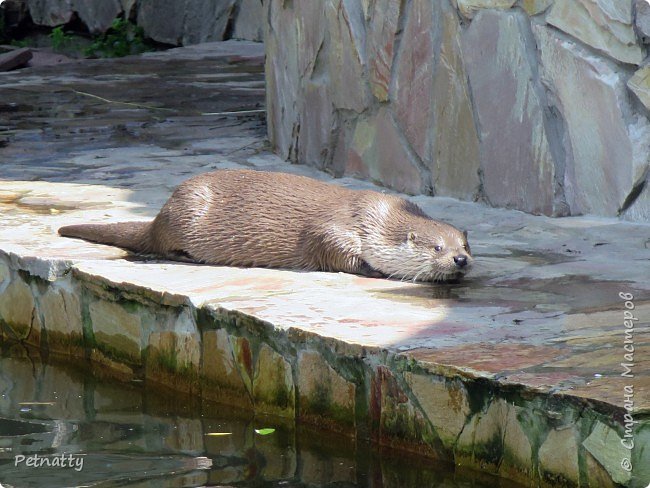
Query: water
{"points": [[100, 433]]}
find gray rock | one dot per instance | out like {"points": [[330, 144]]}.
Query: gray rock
{"points": [[347, 55], [282, 79], [381, 42], [50, 13], [98, 16], [379, 153], [316, 123], [14, 59], [129, 8], [455, 159], [642, 20], [412, 94], [205, 21], [14, 13], [164, 27], [249, 24], [517, 163], [605, 25], [185, 21], [607, 146]]}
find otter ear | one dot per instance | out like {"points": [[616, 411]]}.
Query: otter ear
{"points": [[465, 234], [411, 237]]}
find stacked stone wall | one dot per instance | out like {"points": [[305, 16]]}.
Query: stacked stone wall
{"points": [[538, 105]]}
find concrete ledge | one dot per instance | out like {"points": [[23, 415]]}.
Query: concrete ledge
{"points": [[515, 371]]}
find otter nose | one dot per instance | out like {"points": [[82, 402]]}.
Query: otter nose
{"points": [[461, 261]]}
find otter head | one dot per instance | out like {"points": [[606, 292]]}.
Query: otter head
{"points": [[423, 250], [443, 251]]}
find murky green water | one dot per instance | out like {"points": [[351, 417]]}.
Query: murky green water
{"points": [[101, 433]]}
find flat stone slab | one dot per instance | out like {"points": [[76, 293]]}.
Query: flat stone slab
{"points": [[14, 59], [543, 311]]}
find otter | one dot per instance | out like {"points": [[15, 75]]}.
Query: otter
{"points": [[253, 218]]}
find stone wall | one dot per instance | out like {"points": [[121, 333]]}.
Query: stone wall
{"points": [[366, 393], [176, 22], [538, 105]]}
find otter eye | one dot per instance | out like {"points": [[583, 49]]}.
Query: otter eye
{"points": [[437, 248], [411, 237], [466, 247]]}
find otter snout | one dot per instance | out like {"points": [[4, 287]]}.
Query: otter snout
{"points": [[460, 260]]}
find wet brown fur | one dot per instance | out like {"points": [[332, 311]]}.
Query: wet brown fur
{"points": [[278, 220]]}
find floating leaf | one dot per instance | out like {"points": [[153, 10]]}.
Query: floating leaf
{"points": [[219, 433], [264, 431]]}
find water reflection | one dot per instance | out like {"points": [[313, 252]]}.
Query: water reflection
{"points": [[127, 435]]}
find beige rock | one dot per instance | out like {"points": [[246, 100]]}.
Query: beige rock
{"points": [[444, 403], [17, 307], [323, 392], [597, 476], [5, 275], [558, 455], [516, 445], [499, 426], [220, 368], [468, 8], [117, 329], [605, 446], [61, 311], [605, 25], [179, 352], [640, 85], [535, 7], [273, 387]]}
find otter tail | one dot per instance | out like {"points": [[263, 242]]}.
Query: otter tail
{"points": [[133, 236]]}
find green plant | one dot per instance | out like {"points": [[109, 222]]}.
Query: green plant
{"points": [[23, 43], [60, 40], [123, 38]]}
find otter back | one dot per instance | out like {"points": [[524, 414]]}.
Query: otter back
{"points": [[253, 218]]}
